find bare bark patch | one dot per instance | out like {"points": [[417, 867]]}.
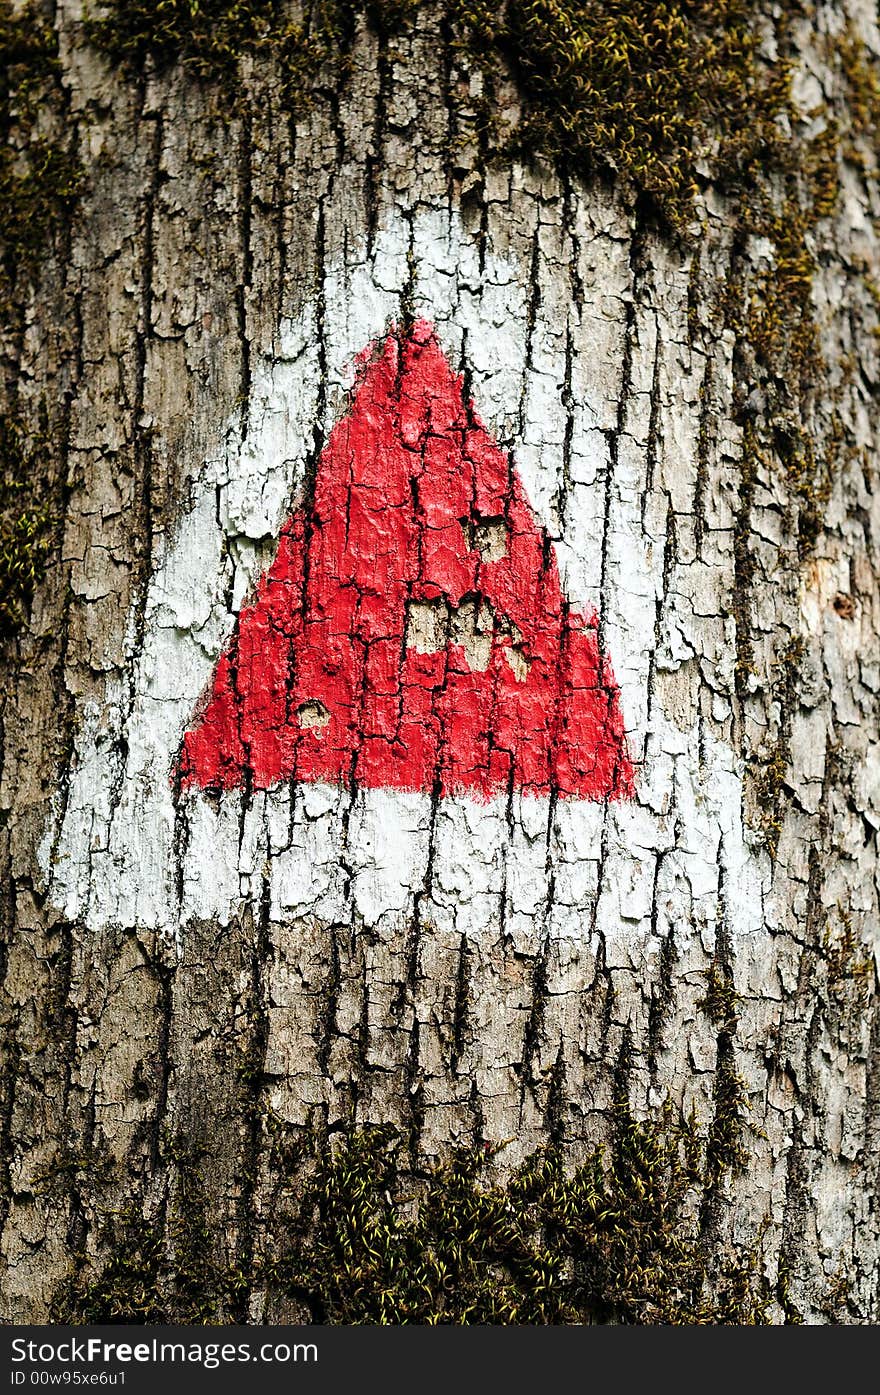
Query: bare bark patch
{"points": [[312, 714]]}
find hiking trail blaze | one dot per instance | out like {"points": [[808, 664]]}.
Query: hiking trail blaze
{"points": [[412, 631]]}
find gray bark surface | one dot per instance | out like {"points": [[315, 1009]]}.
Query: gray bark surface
{"points": [[125, 1053]]}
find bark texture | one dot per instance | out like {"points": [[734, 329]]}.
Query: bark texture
{"points": [[193, 985]]}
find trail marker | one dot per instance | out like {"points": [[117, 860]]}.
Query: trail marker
{"points": [[412, 631]]}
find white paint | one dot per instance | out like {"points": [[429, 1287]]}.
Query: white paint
{"points": [[109, 855]]}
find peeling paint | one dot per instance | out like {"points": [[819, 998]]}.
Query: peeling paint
{"points": [[125, 850], [376, 608]]}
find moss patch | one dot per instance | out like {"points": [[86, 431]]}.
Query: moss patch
{"points": [[614, 1240], [26, 519], [861, 80], [721, 1002], [616, 88], [768, 770], [635, 90], [39, 179], [40, 182], [607, 1242], [211, 37], [849, 961], [168, 1266]]}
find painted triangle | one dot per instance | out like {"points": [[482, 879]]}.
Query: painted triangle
{"points": [[412, 631]]}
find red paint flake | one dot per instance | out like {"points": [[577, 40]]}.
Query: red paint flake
{"points": [[412, 630]]}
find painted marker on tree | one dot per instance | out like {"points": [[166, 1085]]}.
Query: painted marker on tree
{"points": [[412, 631]]}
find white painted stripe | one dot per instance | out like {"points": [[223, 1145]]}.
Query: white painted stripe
{"points": [[109, 856]]}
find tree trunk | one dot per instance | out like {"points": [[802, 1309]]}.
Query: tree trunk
{"points": [[211, 994]]}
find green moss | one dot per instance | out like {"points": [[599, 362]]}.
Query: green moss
{"points": [[721, 1001], [798, 434], [164, 1269], [614, 1240], [128, 1290], [547, 1248], [861, 80], [767, 771], [725, 1147], [210, 38], [40, 180], [96, 1163], [26, 519], [849, 961], [635, 90], [616, 88], [36, 196]]}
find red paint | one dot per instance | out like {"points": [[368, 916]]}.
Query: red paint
{"points": [[401, 484]]}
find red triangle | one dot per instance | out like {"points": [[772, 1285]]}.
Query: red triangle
{"points": [[412, 630]]}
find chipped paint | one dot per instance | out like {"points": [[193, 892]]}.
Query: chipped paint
{"points": [[377, 609], [125, 849]]}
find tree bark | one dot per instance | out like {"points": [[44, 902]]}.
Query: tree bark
{"points": [[195, 985]]}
